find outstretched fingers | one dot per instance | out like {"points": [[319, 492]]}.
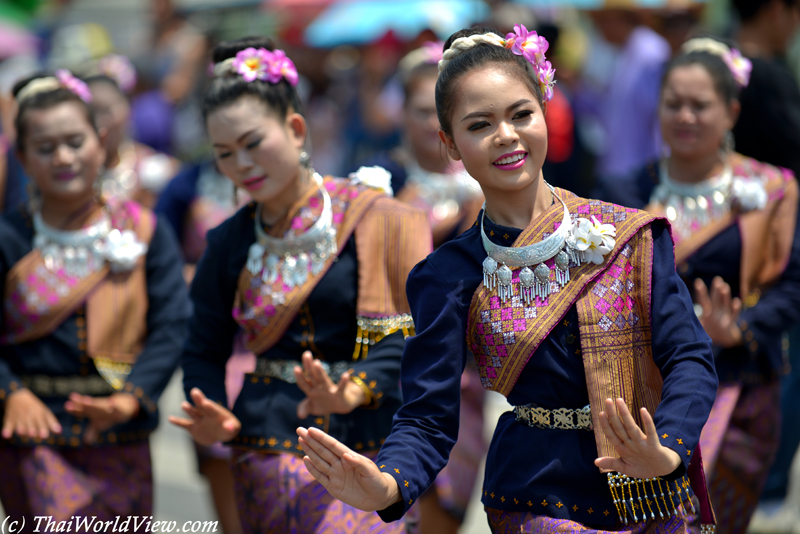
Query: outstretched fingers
{"points": [[316, 473], [629, 423], [324, 440]]}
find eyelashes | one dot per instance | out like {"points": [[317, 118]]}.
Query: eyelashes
{"points": [[523, 114]]}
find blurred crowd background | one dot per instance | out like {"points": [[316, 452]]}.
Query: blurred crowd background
{"points": [[608, 56]]}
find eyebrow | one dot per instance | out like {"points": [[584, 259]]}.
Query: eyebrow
{"points": [[476, 114], [248, 132]]}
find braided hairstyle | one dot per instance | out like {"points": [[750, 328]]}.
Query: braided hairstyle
{"points": [[467, 50]]}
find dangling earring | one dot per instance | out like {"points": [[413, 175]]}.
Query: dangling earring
{"points": [[33, 197], [728, 143], [235, 195], [305, 159], [99, 197]]}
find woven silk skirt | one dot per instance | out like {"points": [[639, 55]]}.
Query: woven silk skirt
{"points": [[103, 482], [500, 522], [743, 433], [275, 493]]}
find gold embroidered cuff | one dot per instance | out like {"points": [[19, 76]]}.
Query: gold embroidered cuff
{"points": [[368, 397], [373, 329]]}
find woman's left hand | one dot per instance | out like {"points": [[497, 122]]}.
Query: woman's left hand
{"points": [[323, 397], [641, 454], [102, 412]]}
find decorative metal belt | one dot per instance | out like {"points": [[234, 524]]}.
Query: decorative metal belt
{"points": [[284, 369], [62, 386], [560, 418]]}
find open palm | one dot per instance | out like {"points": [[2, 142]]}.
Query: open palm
{"points": [[348, 476], [641, 454]]}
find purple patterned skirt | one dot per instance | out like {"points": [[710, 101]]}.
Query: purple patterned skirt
{"points": [[104, 482], [275, 493], [743, 431], [502, 522]]}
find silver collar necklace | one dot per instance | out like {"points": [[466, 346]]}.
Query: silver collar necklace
{"points": [[79, 252], [688, 206], [534, 278], [292, 257]]}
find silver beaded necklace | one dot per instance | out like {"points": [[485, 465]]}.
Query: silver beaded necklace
{"points": [[534, 278], [291, 257], [79, 253]]}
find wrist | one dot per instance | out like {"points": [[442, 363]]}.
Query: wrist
{"points": [[127, 406], [393, 494], [362, 395]]}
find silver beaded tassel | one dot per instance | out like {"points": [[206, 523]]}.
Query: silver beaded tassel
{"points": [[489, 273], [505, 290]]}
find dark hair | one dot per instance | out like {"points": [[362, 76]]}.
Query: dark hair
{"points": [[41, 101], [281, 97], [415, 75], [749, 9], [471, 59], [720, 73]]}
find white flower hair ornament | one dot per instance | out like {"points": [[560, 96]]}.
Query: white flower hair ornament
{"points": [[593, 239], [375, 177], [740, 66], [521, 42]]}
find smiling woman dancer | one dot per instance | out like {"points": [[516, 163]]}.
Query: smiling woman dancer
{"points": [[313, 271], [573, 311], [94, 315], [737, 248]]}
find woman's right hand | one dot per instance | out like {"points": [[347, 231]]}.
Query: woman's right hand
{"points": [[348, 476], [27, 416], [209, 422]]}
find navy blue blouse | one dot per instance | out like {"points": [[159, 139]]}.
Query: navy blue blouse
{"points": [[762, 358], [60, 355], [325, 325], [543, 471]]}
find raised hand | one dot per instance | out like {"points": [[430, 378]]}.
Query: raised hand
{"points": [[323, 397], [209, 422], [348, 476], [720, 317], [102, 412], [641, 454], [27, 416]]}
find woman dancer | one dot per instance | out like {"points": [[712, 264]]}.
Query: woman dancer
{"points": [[579, 319], [132, 170], [94, 311], [314, 272], [736, 247]]}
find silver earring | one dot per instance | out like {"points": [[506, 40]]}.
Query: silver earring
{"points": [[235, 196], [305, 159], [728, 142]]}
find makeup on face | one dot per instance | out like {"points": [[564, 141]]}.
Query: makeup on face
{"points": [[256, 149], [62, 151], [499, 132]]}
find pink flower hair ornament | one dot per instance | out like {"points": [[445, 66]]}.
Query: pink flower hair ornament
{"points": [[259, 64], [532, 47], [75, 85], [740, 66], [120, 69]]}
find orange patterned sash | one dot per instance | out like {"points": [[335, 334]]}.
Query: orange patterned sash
{"points": [[504, 336], [265, 311], [38, 300]]}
